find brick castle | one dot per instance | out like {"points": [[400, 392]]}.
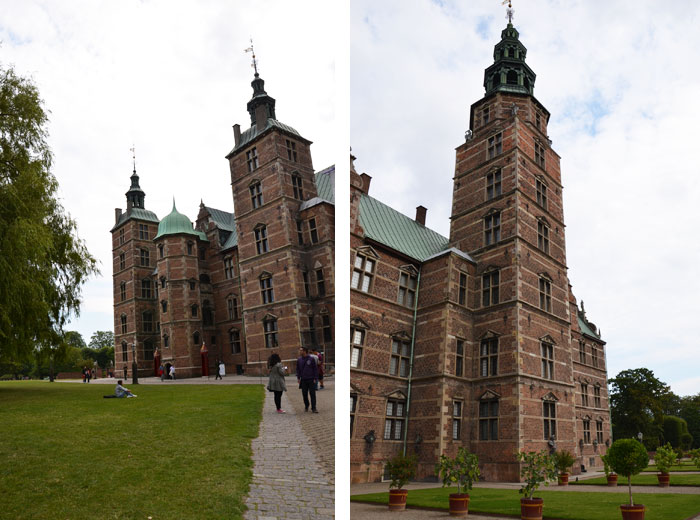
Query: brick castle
{"points": [[239, 285], [475, 339]]}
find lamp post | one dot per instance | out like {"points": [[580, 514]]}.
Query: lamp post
{"points": [[134, 366]]}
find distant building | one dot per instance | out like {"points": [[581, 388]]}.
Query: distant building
{"points": [[243, 284], [475, 339]]}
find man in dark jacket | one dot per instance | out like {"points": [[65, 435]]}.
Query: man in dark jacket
{"points": [[307, 375]]}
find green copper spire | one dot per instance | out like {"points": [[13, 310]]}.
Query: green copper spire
{"points": [[509, 72], [174, 224]]}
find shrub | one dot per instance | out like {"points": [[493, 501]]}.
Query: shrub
{"points": [[627, 457], [462, 470], [539, 467], [606, 465], [665, 457], [695, 457], [651, 443], [401, 469], [564, 460], [674, 428], [686, 441]]}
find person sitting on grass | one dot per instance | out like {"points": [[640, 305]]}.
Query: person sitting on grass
{"points": [[120, 391]]}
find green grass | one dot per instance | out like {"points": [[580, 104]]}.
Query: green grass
{"points": [[569, 505], [644, 480], [176, 451], [685, 466]]}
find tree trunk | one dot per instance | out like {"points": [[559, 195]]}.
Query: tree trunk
{"points": [[629, 483]]}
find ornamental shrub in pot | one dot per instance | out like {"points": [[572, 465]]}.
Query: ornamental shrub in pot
{"points": [[627, 457], [665, 457], [564, 461], [401, 469], [538, 467], [462, 470], [610, 475]]}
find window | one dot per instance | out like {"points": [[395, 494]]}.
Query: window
{"points": [[122, 261], [166, 341], [300, 233], [547, 360], [228, 268], [599, 431], [252, 159], [164, 305], [327, 331], [488, 420], [232, 306], [256, 195], [582, 352], [488, 359], [362, 273], [143, 231], [543, 237], [162, 282], [305, 278], [400, 352], [148, 350], [493, 184], [353, 407], [125, 352], [122, 291], [268, 294], [584, 394], [320, 283], [313, 233], [145, 258], [489, 288], [291, 150], [537, 119], [495, 145], [161, 251], [121, 236], [297, 185], [407, 289], [492, 228], [261, 239], [357, 341], [456, 420], [147, 321], [270, 330], [190, 248], [586, 431], [459, 359], [196, 338], [541, 193], [550, 419], [539, 154], [545, 295], [202, 253], [195, 311], [146, 288], [193, 285], [462, 291], [123, 320], [393, 425], [594, 356], [596, 396], [311, 334], [484, 115], [234, 338]]}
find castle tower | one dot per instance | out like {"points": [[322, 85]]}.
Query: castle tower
{"points": [[285, 237], [133, 255]]}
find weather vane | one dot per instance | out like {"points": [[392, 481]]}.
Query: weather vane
{"points": [[510, 11], [255, 61], [133, 155]]}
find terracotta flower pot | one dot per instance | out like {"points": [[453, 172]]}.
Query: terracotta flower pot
{"points": [[459, 504], [397, 499], [531, 508], [563, 479], [664, 479], [612, 480], [635, 512]]}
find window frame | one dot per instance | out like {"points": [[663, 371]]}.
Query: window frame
{"points": [[462, 288], [394, 419], [408, 283], [400, 358], [547, 353], [541, 189], [362, 279], [494, 145], [261, 244], [298, 186], [493, 184], [267, 292], [234, 339], [457, 411], [356, 347], [549, 415], [490, 288], [270, 332], [543, 236], [313, 230], [459, 357], [256, 195], [489, 411], [492, 228], [545, 286], [488, 357], [252, 159]]}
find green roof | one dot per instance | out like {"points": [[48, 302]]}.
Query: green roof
{"points": [[248, 135], [586, 328], [325, 184], [137, 214], [226, 222], [176, 223], [399, 232]]}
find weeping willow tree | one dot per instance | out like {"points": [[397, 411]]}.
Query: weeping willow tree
{"points": [[43, 263]]}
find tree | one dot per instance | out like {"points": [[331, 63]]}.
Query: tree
{"points": [[75, 339], [690, 411], [637, 402], [43, 264], [102, 338]]}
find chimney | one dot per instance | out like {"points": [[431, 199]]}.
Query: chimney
{"points": [[420, 215], [260, 117], [117, 215], [236, 134], [366, 179]]}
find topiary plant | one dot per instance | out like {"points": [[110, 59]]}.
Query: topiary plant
{"points": [[401, 469], [627, 457], [564, 460], [539, 467], [462, 470], [606, 465], [664, 458]]}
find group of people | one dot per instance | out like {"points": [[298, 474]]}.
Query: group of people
{"points": [[309, 376], [88, 374], [170, 373]]}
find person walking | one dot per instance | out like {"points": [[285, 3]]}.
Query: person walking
{"points": [[307, 376], [172, 372], [161, 372], [321, 370], [221, 371], [276, 383]]}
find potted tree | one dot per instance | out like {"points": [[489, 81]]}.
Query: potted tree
{"points": [[664, 458], [610, 475], [401, 469], [695, 457], [537, 468], [462, 470], [564, 461], [628, 457]]}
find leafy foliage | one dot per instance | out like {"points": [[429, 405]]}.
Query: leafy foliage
{"points": [[462, 470], [101, 339], [564, 460], [606, 465], [43, 264], [538, 468], [665, 458], [628, 457], [674, 428], [695, 457], [401, 469]]}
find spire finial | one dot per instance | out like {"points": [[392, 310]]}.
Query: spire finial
{"points": [[510, 11], [133, 155], [255, 61]]}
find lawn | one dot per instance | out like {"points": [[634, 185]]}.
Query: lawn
{"points": [[677, 479], [569, 505], [685, 466], [176, 451]]}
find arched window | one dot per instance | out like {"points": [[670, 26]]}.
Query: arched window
{"points": [[195, 311], [123, 320], [195, 337], [125, 352], [122, 291], [166, 341], [190, 248], [161, 251]]}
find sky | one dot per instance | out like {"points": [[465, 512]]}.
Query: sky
{"points": [[169, 78], [620, 82]]}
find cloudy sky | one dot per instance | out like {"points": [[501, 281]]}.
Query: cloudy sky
{"points": [[621, 82], [171, 78]]}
